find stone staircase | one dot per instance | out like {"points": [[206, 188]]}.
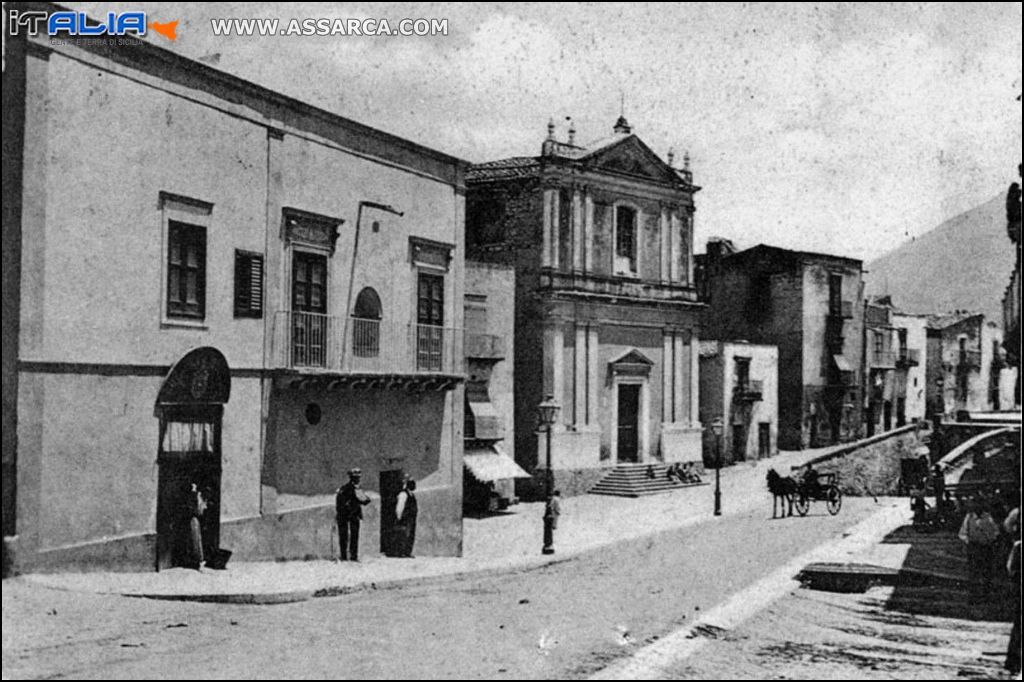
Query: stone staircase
{"points": [[636, 480]]}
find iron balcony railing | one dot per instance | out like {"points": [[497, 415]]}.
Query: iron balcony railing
{"points": [[484, 346], [969, 358], [883, 358], [910, 357], [313, 341], [750, 391], [841, 310]]}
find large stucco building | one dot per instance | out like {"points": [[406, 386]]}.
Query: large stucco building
{"points": [[807, 305], [206, 281], [601, 237]]}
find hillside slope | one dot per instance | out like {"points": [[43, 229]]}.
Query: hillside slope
{"points": [[964, 263]]}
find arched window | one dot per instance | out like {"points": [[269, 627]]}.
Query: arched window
{"points": [[366, 324]]}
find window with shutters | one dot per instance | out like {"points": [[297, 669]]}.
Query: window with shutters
{"points": [[248, 284], [186, 271]]}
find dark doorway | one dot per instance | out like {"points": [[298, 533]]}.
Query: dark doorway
{"points": [[190, 407], [764, 440], [887, 415], [189, 454], [310, 326], [629, 415], [739, 442], [390, 485]]}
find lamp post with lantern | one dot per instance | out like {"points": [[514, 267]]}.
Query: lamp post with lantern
{"points": [[547, 413], [716, 429]]}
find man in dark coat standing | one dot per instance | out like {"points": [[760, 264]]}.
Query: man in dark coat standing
{"points": [[349, 503]]}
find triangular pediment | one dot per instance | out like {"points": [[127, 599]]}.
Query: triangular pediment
{"points": [[630, 156], [632, 357], [631, 363]]}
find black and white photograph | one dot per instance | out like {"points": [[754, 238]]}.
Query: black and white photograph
{"points": [[511, 340]]}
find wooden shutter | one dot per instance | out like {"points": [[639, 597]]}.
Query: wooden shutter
{"points": [[248, 284]]}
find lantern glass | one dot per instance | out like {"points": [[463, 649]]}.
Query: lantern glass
{"points": [[716, 426], [548, 411]]}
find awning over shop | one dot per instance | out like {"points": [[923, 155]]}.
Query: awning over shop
{"points": [[842, 363], [491, 464]]}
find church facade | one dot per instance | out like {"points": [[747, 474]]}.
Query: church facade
{"points": [[606, 310]]}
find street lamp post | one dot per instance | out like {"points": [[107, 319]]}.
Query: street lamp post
{"points": [[716, 428], [547, 413]]}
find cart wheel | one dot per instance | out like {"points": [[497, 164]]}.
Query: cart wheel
{"points": [[834, 500], [802, 504]]}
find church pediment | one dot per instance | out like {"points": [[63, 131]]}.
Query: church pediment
{"points": [[631, 363], [630, 156]]}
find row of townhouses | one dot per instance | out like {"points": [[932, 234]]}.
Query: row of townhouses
{"points": [[209, 283]]}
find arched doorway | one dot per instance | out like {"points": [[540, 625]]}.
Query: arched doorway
{"points": [[190, 409]]}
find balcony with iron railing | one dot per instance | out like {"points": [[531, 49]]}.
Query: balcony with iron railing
{"points": [[883, 359], [909, 357], [969, 358], [841, 310], [749, 391], [313, 342], [483, 346]]}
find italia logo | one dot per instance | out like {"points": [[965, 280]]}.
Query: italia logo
{"points": [[81, 25]]}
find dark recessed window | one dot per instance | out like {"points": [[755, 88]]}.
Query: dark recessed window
{"points": [[313, 414], [186, 271]]}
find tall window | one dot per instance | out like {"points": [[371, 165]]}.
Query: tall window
{"points": [[625, 241], [366, 324], [186, 271], [742, 373], [310, 324], [835, 295], [430, 322]]}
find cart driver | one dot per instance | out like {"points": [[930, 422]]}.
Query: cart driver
{"points": [[811, 484]]}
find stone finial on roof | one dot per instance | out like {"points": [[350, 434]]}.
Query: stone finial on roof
{"points": [[686, 160], [671, 156], [572, 131], [551, 128]]}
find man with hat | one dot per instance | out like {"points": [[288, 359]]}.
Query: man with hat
{"points": [[349, 503]]}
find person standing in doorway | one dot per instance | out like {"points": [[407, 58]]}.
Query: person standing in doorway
{"points": [[349, 503], [194, 508], [406, 511]]}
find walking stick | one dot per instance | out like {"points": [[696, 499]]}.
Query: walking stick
{"points": [[334, 553]]}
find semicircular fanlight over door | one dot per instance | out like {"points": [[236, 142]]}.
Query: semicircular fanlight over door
{"points": [[366, 324]]}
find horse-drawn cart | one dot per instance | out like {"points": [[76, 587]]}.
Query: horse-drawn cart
{"points": [[825, 489]]}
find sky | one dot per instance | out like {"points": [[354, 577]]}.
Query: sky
{"points": [[840, 128]]}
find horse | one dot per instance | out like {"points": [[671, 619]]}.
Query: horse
{"points": [[781, 487]]}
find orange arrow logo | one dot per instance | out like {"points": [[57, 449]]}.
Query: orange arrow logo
{"points": [[167, 29]]}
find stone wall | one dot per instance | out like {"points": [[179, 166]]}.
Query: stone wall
{"points": [[872, 466]]}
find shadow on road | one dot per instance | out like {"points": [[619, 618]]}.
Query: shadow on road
{"points": [[934, 579]]}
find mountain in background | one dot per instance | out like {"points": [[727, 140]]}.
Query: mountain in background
{"points": [[964, 264]]}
